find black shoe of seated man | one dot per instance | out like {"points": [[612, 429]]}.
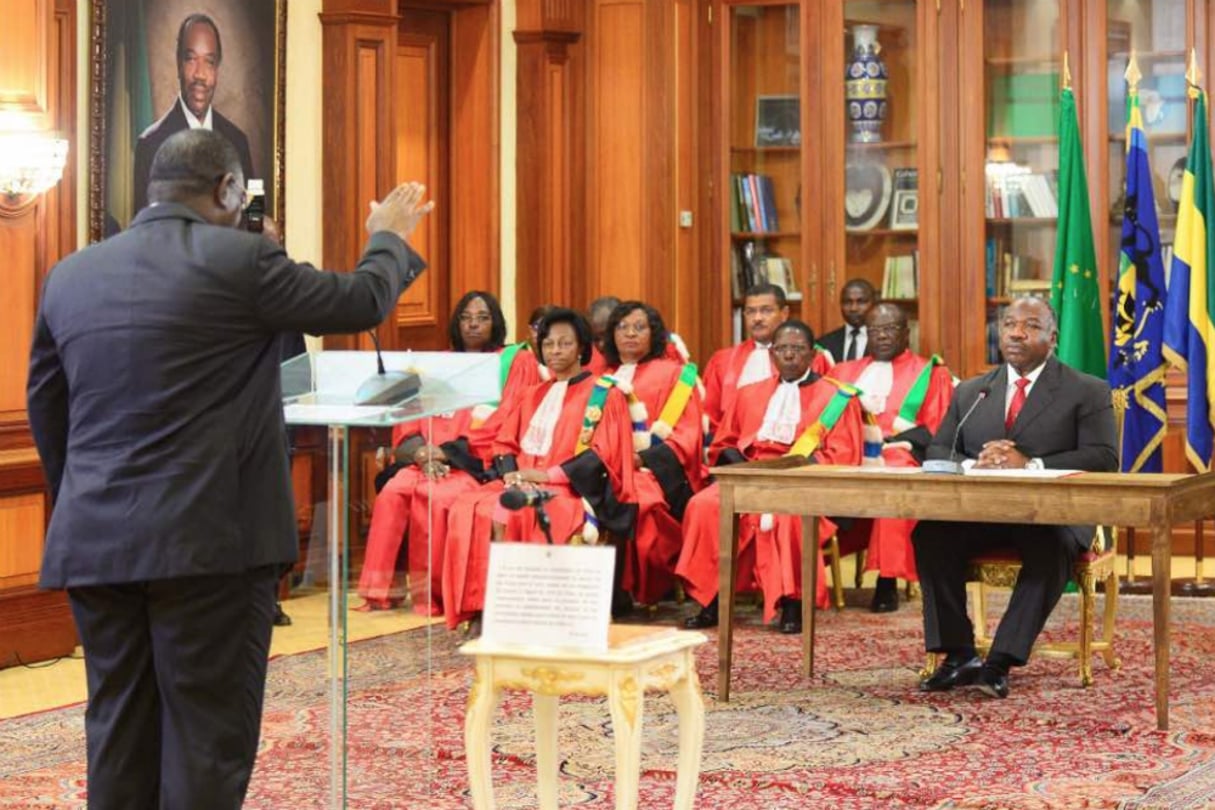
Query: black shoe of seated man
{"points": [[622, 604], [281, 619], [791, 616], [885, 596], [706, 618], [993, 681], [953, 672]]}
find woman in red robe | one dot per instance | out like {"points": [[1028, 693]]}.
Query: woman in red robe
{"points": [[431, 470], [668, 439], [570, 435]]}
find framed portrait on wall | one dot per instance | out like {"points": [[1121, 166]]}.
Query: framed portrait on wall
{"points": [[160, 66], [905, 210]]}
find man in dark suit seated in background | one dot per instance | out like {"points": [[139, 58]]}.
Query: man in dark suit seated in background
{"points": [[155, 402], [851, 340], [199, 54], [1034, 413]]}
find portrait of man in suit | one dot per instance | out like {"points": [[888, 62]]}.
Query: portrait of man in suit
{"points": [[172, 65], [200, 53]]}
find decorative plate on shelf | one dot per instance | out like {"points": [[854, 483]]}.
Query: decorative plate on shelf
{"points": [[867, 191]]}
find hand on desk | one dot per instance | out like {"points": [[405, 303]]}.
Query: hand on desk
{"points": [[1001, 454]]}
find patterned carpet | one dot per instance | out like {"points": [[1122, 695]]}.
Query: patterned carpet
{"points": [[858, 735]]}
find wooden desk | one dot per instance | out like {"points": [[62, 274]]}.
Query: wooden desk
{"points": [[1154, 501], [638, 658]]}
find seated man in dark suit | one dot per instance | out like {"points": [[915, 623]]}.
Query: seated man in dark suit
{"points": [[199, 54], [1032, 413]]}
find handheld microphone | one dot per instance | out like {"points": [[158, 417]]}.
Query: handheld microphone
{"points": [[516, 499], [386, 387], [951, 465]]}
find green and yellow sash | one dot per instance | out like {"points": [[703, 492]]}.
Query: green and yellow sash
{"points": [[813, 435], [676, 404], [916, 395]]}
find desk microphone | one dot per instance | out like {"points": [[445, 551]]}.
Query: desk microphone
{"points": [[386, 387], [516, 499], [951, 465]]}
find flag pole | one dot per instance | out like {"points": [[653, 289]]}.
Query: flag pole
{"points": [[1129, 585], [1198, 586]]}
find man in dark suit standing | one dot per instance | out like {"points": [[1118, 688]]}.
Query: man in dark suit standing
{"points": [[1031, 413], [199, 54], [155, 403], [851, 340]]}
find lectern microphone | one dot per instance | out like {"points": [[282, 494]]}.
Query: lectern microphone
{"points": [[951, 466], [386, 387]]}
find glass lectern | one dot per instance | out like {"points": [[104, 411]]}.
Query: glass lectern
{"points": [[320, 390]]}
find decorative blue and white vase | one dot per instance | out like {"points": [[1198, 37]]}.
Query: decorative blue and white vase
{"points": [[865, 87]]}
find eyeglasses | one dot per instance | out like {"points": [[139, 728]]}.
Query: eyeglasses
{"points": [[558, 344], [892, 329], [632, 328], [480, 317]]}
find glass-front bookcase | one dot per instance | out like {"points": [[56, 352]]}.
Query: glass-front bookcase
{"points": [[1022, 67], [881, 165], [764, 126]]}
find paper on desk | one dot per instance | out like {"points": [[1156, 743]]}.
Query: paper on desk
{"points": [[1020, 473]]}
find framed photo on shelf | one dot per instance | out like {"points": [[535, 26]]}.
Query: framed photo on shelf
{"points": [[905, 210], [778, 121]]}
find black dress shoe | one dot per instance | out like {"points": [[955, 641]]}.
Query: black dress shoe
{"points": [[281, 619], [706, 618], [949, 674], [885, 601], [791, 616], [992, 681]]}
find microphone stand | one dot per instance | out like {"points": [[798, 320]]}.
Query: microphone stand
{"points": [[542, 519]]}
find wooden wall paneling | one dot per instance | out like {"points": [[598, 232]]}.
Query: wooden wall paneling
{"points": [[619, 109], [705, 334], [932, 286], [26, 65], [358, 45], [657, 139], [971, 246], [420, 139], [548, 153], [21, 246], [685, 299], [474, 177], [823, 228], [952, 272], [21, 517], [717, 169]]}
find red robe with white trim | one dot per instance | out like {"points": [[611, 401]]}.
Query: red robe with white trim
{"points": [[769, 559], [672, 471], [603, 474], [888, 540], [411, 505], [723, 370]]}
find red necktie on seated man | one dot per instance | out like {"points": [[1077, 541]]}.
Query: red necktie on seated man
{"points": [[1014, 407]]}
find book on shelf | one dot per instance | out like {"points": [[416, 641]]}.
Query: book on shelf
{"points": [[752, 263], [1007, 273], [901, 276], [753, 204], [1022, 195]]}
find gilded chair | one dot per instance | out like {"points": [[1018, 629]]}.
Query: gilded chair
{"points": [[1000, 570]]}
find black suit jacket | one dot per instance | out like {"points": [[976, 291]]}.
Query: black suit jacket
{"points": [[834, 342], [154, 394], [1067, 421], [172, 122]]}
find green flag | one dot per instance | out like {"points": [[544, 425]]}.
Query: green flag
{"points": [[1074, 290]]}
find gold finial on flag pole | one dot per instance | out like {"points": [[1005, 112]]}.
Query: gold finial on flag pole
{"points": [[1193, 76], [1067, 74], [1132, 74]]}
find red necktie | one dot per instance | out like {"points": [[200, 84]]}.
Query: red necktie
{"points": [[1018, 402]]}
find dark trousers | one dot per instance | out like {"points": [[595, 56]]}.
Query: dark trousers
{"points": [[942, 553], [176, 673]]}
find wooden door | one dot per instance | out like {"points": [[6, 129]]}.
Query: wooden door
{"points": [[421, 139]]}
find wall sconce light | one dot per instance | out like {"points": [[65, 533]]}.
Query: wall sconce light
{"points": [[30, 163]]}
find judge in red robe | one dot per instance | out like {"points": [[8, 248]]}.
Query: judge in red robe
{"points": [[436, 459], [905, 397], [668, 440], [571, 436], [764, 309], [768, 419]]}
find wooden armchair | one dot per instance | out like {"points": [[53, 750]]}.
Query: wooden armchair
{"points": [[1000, 570]]}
